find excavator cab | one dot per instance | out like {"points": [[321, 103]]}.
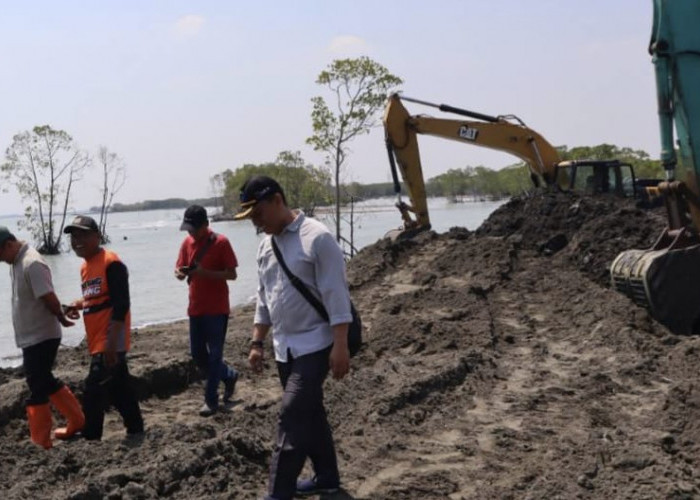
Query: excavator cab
{"points": [[594, 177]]}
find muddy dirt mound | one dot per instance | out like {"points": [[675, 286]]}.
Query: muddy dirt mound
{"points": [[498, 364], [589, 231]]}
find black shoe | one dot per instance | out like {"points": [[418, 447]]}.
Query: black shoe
{"points": [[207, 411], [310, 487], [230, 387]]}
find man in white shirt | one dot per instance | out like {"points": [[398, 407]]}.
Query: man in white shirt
{"points": [[306, 346], [36, 314]]}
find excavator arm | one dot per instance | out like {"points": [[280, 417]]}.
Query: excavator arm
{"points": [[665, 277], [402, 146], [492, 132], [497, 133], [675, 50], [502, 133]]}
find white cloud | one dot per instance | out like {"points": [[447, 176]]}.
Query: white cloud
{"points": [[188, 26], [348, 45]]}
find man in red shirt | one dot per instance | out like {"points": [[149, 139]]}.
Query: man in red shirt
{"points": [[207, 260]]}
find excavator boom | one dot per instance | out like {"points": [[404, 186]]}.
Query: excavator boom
{"points": [[503, 133], [497, 133], [665, 277]]}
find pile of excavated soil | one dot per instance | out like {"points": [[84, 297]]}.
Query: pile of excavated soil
{"points": [[498, 364]]}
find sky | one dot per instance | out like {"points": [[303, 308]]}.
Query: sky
{"points": [[184, 90]]}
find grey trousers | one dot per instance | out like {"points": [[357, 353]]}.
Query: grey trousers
{"points": [[303, 429]]}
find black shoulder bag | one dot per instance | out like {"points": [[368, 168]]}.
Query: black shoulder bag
{"points": [[354, 328], [200, 254]]}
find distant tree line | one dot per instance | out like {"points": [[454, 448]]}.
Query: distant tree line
{"points": [[484, 183], [368, 191], [163, 204], [308, 187]]}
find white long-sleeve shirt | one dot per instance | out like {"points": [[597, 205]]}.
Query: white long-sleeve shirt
{"points": [[312, 254]]}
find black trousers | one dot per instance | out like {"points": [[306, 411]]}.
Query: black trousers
{"points": [[303, 429], [38, 362], [105, 386]]}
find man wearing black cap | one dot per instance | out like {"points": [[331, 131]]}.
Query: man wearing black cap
{"points": [[207, 261], [305, 344], [106, 313]]}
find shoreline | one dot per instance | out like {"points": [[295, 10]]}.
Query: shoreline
{"points": [[14, 361], [17, 358]]}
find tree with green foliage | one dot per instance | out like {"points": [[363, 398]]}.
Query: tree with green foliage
{"points": [[44, 164], [225, 198], [358, 89], [305, 186]]}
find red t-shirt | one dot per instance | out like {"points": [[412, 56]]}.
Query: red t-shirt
{"points": [[208, 296]]}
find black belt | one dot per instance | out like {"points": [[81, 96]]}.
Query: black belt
{"points": [[97, 307]]}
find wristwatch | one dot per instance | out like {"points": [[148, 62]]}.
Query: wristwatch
{"points": [[257, 343]]}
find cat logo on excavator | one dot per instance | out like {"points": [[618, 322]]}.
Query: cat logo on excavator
{"points": [[468, 133]]}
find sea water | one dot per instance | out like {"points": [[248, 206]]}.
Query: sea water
{"points": [[148, 243]]}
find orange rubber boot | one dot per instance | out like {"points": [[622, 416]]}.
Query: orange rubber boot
{"points": [[68, 406], [40, 421]]}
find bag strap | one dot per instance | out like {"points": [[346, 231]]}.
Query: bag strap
{"points": [[203, 249], [298, 284]]}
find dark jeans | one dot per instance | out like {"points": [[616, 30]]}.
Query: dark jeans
{"points": [[38, 362], [303, 429], [113, 385], [207, 336]]}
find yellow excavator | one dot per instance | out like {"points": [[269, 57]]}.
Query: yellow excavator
{"points": [[666, 277], [505, 133]]}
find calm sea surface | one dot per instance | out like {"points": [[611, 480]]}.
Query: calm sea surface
{"points": [[148, 243]]}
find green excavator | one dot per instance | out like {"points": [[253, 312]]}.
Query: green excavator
{"points": [[666, 277]]}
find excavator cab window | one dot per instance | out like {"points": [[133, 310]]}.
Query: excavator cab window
{"points": [[627, 180], [602, 177], [587, 179]]}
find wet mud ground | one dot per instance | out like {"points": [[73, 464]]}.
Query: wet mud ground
{"points": [[498, 364]]}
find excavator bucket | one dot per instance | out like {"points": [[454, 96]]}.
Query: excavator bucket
{"points": [[664, 279]]}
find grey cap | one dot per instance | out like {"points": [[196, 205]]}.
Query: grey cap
{"points": [[5, 234], [82, 222]]}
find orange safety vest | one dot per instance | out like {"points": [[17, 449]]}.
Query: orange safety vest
{"points": [[97, 304]]}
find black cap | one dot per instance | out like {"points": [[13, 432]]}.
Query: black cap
{"points": [[82, 222], [195, 217], [5, 234], [254, 190]]}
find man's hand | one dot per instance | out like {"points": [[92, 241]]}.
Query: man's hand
{"points": [[71, 312], [65, 321], [113, 330], [180, 273], [256, 358], [54, 306], [257, 350], [339, 360]]}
